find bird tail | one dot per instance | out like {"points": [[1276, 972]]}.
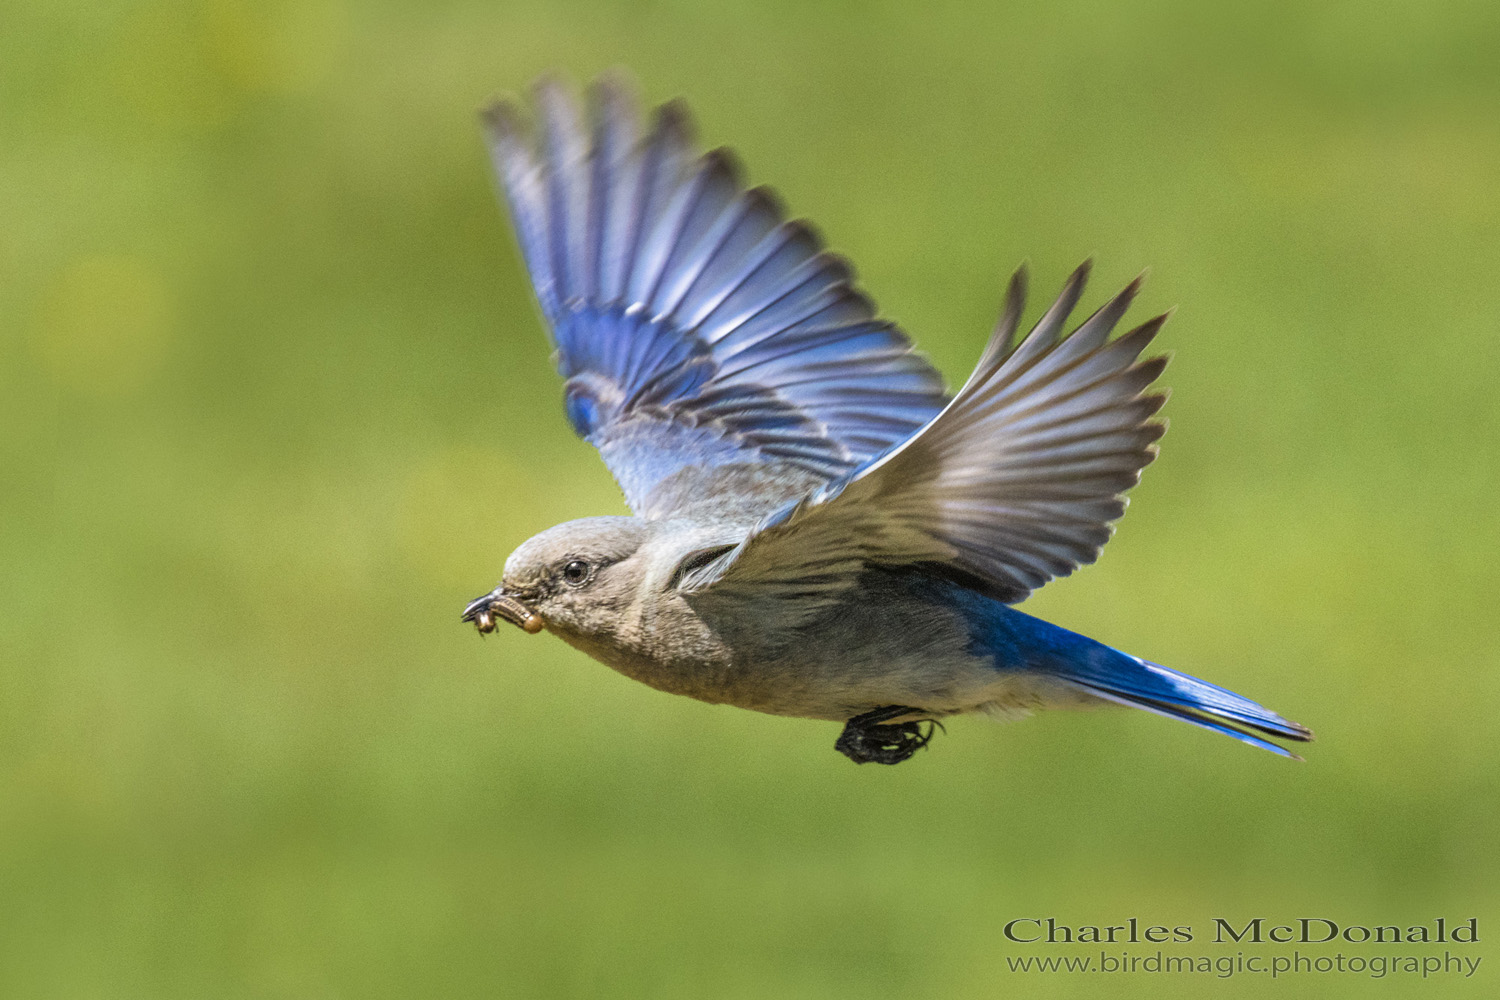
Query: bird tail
{"points": [[1130, 680]]}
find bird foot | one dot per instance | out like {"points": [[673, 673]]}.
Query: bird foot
{"points": [[868, 738]]}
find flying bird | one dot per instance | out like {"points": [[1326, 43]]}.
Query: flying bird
{"points": [[820, 529]]}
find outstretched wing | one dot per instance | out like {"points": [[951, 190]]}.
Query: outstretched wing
{"points": [[1014, 483], [694, 326]]}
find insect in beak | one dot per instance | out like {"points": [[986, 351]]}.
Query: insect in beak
{"points": [[485, 610]]}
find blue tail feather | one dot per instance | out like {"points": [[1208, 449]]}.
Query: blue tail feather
{"points": [[1016, 640], [1129, 680], [1186, 715]]}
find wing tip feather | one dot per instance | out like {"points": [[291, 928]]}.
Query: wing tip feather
{"points": [[1149, 368], [615, 85], [673, 120], [1152, 402], [768, 198], [1079, 278], [503, 119], [726, 162]]}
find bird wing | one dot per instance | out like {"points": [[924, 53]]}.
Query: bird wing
{"points": [[1015, 482], [696, 328]]}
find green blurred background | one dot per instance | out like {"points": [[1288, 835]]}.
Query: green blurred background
{"points": [[275, 401]]}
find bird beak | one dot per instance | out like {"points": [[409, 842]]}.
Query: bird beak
{"points": [[499, 604]]}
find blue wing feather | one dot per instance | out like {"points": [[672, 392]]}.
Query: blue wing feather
{"points": [[694, 326]]}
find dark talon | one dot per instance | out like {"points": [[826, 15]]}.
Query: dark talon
{"points": [[869, 739]]}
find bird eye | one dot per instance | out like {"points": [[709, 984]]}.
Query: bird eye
{"points": [[577, 572]]}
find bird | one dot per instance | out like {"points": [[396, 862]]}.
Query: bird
{"points": [[819, 529]]}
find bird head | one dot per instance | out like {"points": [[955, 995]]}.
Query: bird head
{"points": [[575, 579]]}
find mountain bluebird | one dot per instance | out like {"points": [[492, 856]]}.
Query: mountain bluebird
{"points": [[820, 529]]}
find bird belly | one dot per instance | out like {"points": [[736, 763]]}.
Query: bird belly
{"points": [[897, 640], [893, 640]]}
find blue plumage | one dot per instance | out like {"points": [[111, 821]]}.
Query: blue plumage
{"points": [[821, 530], [1014, 640], [678, 299]]}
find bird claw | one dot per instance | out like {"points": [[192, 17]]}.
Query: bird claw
{"points": [[868, 738]]}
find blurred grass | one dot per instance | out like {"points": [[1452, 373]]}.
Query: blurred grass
{"points": [[274, 402]]}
